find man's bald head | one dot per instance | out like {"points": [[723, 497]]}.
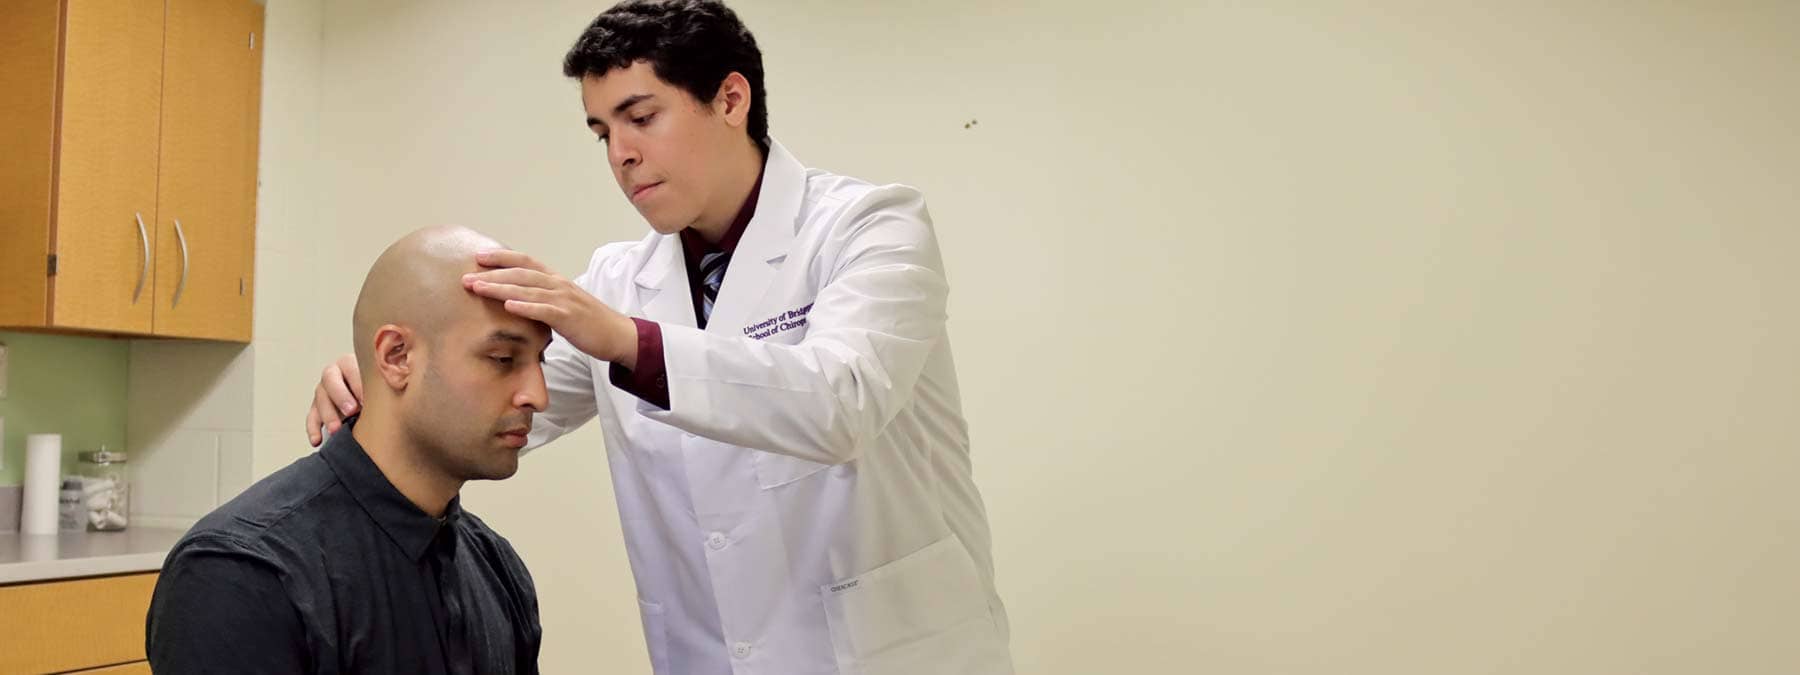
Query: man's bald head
{"points": [[450, 378], [417, 283]]}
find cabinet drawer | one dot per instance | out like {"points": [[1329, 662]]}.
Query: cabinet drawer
{"points": [[58, 626]]}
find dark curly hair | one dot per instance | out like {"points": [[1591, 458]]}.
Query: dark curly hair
{"points": [[691, 44]]}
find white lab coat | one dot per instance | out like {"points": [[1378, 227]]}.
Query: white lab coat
{"points": [[806, 504]]}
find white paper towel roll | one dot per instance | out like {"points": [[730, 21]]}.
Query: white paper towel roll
{"points": [[43, 482]]}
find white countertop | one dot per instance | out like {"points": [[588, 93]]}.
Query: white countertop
{"points": [[40, 557]]}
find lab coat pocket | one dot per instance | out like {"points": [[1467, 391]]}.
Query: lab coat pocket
{"points": [[924, 613], [656, 636], [773, 470]]}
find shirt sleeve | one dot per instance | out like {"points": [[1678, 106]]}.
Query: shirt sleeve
{"points": [[650, 381], [225, 612]]}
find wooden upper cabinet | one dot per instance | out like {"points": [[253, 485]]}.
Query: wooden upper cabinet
{"points": [[29, 32], [207, 207], [106, 169], [129, 112]]}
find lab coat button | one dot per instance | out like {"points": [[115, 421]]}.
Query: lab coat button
{"points": [[716, 541], [741, 650]]}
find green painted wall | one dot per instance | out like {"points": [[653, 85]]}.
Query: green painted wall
{"points": [[74, 386]]}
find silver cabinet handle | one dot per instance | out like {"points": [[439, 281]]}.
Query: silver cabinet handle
{"points": [[182, 284], [143, 242]]}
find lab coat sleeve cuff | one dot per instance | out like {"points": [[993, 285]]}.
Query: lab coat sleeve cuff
{"points": [[650, 381]]}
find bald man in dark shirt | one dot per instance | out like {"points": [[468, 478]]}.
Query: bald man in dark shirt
{"points": [[359, 558]]}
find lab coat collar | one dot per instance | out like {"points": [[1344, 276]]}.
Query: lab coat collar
{"points": [[759, 255]]}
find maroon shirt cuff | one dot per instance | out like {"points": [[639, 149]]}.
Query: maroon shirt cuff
{"points": [[651, 379]]}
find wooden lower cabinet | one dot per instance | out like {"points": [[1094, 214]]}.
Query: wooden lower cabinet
{"points": [[80, 625], [136, 668]]}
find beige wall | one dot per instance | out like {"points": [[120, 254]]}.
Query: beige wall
{"points": [[1295, 338], [298, 327]]}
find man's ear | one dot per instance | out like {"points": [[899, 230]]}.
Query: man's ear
{"points": [[397, 355], [733, 99]]}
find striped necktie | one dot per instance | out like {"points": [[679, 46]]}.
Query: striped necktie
{"points": [[712, 274]]}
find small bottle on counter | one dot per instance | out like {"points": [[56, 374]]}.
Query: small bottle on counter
{"points": [[71, 513], [106, 489]]}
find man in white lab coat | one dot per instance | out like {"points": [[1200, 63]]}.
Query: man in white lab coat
{"points": [[772, 375]]}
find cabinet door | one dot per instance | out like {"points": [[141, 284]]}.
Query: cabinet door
{"points": [[107, 166], [59, 626], [28, 66], [211, 95]]}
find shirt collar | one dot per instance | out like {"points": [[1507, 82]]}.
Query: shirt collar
{"points": [[406, 525]]}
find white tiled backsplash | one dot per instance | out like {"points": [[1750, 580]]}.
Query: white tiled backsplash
{"points": [[188, 428]]}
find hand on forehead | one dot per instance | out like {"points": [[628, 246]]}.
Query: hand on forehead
{"points": [[417, 282]]}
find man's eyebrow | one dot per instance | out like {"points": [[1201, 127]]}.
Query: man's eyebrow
{"points": [[623, 105], [504, 335]]}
